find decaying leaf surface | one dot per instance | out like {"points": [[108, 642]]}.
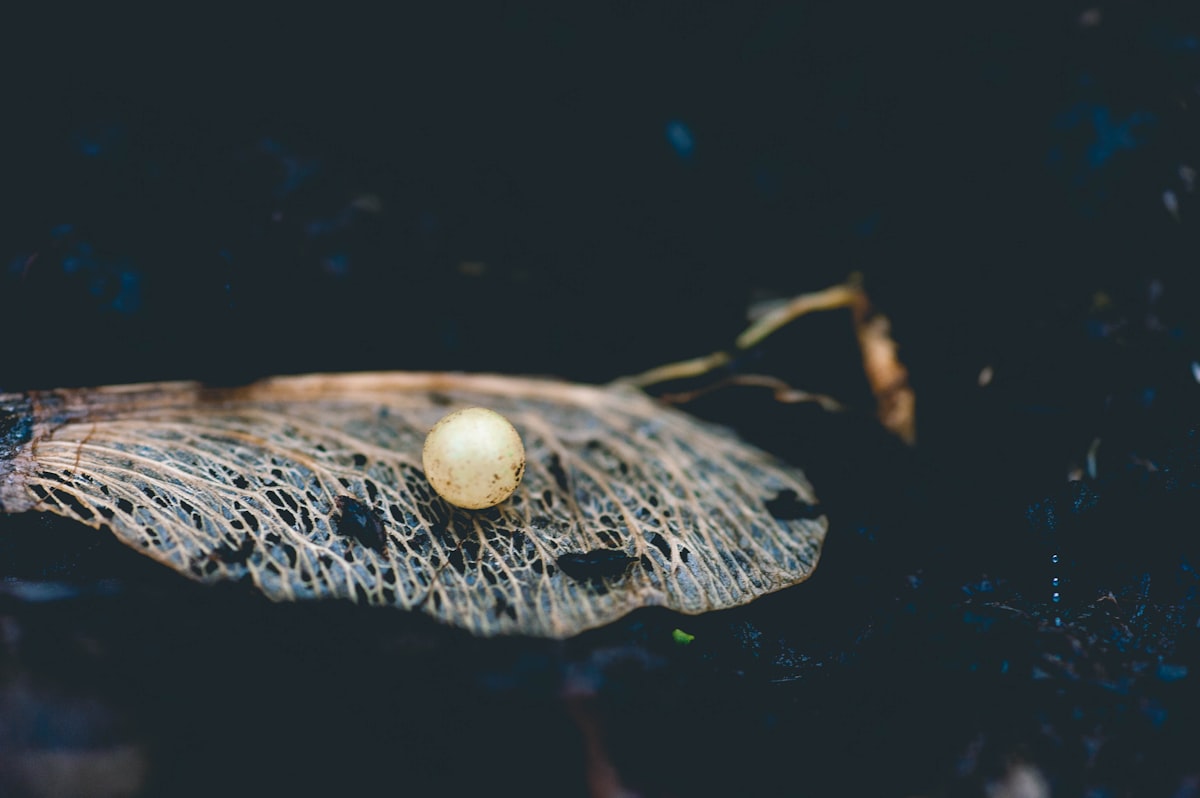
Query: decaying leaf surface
{"points": [[311, 487]]}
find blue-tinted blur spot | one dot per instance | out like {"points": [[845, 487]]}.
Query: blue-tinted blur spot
{"points": [[1172, 673], [337, 265], [1094, 138], [865, 228], [61, 230], [294, 170], [1112, 136], [129, 293], [680, 138], [80, 259], [98, 141], [1154, 712]]}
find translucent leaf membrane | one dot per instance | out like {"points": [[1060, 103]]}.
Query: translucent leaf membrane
{"points": [[311, 488]]}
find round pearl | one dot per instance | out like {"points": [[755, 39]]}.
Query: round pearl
{"points": [[474, 458]]}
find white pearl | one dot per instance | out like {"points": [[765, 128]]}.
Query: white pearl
{"points": [[474, 458]]}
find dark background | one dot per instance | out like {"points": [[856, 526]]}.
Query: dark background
{"points": [[587, 192]]}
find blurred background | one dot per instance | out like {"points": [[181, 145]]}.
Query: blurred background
{"points": [[583, 191], [587, 191]]}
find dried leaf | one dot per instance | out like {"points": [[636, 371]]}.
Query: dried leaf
{"points": [[311, 487], [895, 400], [887, 376]]}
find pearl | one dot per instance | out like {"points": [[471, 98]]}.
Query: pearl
{"points": [[474, 458]]}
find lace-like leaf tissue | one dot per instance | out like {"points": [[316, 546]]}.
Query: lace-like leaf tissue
{"points": [[315, 487]]}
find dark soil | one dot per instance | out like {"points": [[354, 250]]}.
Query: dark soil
{"points": [[1010, 605]]}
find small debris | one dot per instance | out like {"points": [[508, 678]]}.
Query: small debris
{"points": [[1171, 203], [681, 637], [1188, 175]]}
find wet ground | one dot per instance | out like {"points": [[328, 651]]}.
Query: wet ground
{"points": [[1011, 604]]}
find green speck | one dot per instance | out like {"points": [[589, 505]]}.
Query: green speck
{"points": [[681, 637]]}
